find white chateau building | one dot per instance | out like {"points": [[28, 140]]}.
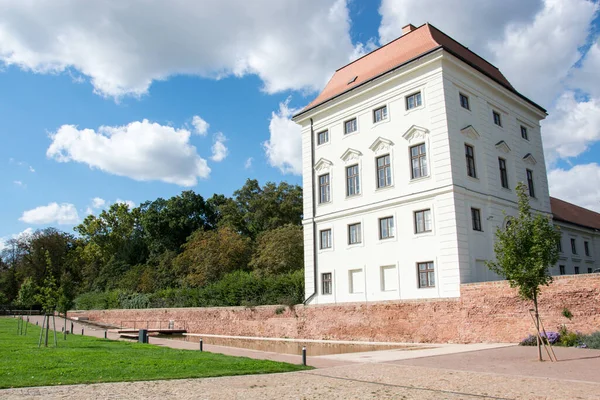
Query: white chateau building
{"points": [[410, 156]]}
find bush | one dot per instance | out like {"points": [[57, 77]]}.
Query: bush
{"points": [[568, 338], [591, 341], [550, 337], [529, 341]]}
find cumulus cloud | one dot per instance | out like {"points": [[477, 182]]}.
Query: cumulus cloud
{"points": [[147, 41], [579, 185], [587, 77], [19, 183], [200, 125], [284, 147], [143, 151], [21, 235], [53, 213], [219, 150], [129, 203], [98, 202]]}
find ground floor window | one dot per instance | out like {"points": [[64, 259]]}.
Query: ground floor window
{"points": [[561, 269], [426, 274], [356, 281], [389, 278], [326, 283]]}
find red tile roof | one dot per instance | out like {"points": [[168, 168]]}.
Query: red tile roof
{"points": [[567, 212], [401, 51]]}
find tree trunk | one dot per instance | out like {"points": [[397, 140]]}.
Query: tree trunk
{"points": [[537, 326]]}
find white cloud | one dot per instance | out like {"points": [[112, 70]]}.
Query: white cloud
{"points": [[124, 46], [587, 77], [200, 125], [19, 183], [143, 151], [248, 163], [62, 214], [219, 150], [284, 147], [98, 202], [21, 235], [579, 185], [31, 169], [129, 203]]}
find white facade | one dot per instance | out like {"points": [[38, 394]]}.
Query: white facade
{"points": [[378, 269]]}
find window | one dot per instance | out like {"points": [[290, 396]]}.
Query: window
{"points": [[324, 186], [497, 118], [422, 221], [352, 182], [389, 278], [326, 283], [476, 219], [323, 137], [384, 171], [325, 239], [586, 248], [470, 155], [503, 173], [589, 270], [464, 101], [354, 235], [418, 155], [576, 270], [561, 269], [426, 274], [573, 246], [386, 228], [413, 101], [350, 126], [356, 281], [559, 245], [524, 133], [379, 114], [530, 183]]}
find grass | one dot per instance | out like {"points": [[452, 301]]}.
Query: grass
{"points": [[83, 359]]}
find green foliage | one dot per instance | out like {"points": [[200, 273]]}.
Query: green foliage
{"points": [[279, 310], [567, 313], [48, 295], [27, 293], [526, 249], [592, 341], [83, 359], [3, 299], [279, 250], [569, 338]]}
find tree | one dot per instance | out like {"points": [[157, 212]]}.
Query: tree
{"points": [[525, 250], [208, 255], [27, 292], [279, 250]]}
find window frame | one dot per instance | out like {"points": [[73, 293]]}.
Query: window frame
{"points": [[390, 227], [326, 132], [462, 96], [355, 126], [503, 173], [328, 281], [573, 246], [383, 280], [387, 170], [351, 280], [424, 219], [322, 186], [559, 244], [355, 179], [590, 270], [408, 96], [470, 159], [586, 248], [420, 156], [524, 132], [530, 182], [329, 239], [497, 118], [576, 270], [562, 270], [426, 271], [385, 115], [476, 223], [359, 241]]}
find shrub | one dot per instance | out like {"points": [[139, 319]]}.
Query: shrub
{"points": [[567, 313], [551, 337], [279, 310], [529, 341], [591, 341]]}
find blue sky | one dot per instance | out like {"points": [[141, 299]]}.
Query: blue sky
{"points": [[67, 70]]}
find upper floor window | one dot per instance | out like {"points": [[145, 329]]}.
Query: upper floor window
{"points": [[418, 155], [352, 180], [413, 101], [503, 172], [530, 183], [586, 248], [423, 221], [426, 274], [323, 137], [573, 246], [384, 171], [354, 234], [497, 118], [524, 133], [379, 114], [325, 239], [559, 244], [386, 228], [350, 126], [476, 219], [326, 283], [324, 189], [470, 156], [464, 101]]}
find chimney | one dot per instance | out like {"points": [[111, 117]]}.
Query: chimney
{"points": [[408, 28]]}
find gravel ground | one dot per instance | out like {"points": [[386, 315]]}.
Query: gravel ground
{"points": [[359, 381]]}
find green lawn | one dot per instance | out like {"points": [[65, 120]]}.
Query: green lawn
{"points": [[82, 359]]}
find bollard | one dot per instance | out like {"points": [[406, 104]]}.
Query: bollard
{"points": [[143, 336], [36, 323], [71, 326], [104, 334], [303, 355], [81, 331], [201, 344]]}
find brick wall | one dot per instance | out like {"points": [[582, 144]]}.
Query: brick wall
{"points": [[485, 312]]}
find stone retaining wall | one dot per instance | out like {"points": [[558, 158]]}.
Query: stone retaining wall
{"points": [[485, 312]]}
